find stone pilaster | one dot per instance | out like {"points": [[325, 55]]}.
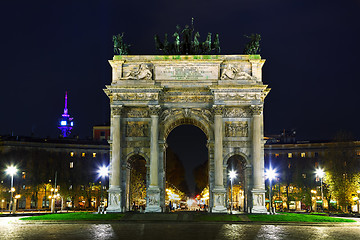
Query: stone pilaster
{"points": [[153, 192], [256, 66], [116, 70], [115, 191], [219, 190], [258, 191]]}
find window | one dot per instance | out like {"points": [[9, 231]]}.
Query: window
{"points": [[94, 154], [71, 154], [316, 154], [304, 175], [23, 175], [289, 165], [71, 164], [289, 155], [83, 154], [358, 153], [277, 155], [102, 133], [23, 187], [302, 155]]}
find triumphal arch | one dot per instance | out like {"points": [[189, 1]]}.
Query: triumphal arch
{"points": [[223, 95]]}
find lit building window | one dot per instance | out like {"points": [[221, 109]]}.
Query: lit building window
{"points": [[23, 187], [83, 154], [358, 153], [302, 155], [94, 154], [71, 154], [289, 155], [23, 175], [289, 165], [277, 155], [71, 164], [304, 175]]}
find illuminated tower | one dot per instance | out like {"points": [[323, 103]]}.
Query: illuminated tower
{"points": [[65, 122]]}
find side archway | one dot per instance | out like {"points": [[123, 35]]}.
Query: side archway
{"points": [[136, 182], [241, 184]]}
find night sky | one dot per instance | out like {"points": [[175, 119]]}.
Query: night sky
{"points": [[47, 48]]}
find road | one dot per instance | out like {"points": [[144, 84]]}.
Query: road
{"points": [[12, 228]]}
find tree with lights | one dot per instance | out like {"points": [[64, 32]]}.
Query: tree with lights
{"points": [[342, 172]]}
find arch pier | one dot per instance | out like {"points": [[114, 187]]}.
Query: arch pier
{"points": [[223, 95]]}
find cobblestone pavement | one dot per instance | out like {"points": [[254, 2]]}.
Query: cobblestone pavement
{"points": [[12, 228]]}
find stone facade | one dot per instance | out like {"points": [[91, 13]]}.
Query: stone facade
{"points": [[221, 94]]}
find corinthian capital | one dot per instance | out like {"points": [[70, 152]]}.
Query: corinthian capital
{"points": [[154, 109], [116, 110], [256, 109], [218, 109]]}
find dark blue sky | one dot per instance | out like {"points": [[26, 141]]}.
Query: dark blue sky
{"points": [[311, 48]]}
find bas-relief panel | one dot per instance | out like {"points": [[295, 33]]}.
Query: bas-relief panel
{"points": [[237, 112], [237, 71], [137, 129], [142, 71], [137, 113], [236, 129]]}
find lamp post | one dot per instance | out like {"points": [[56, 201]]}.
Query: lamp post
{"points": [[270, 174], [103, 172], [320, 173], [11, 171], [232, 175]]}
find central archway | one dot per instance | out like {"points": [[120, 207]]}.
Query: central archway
{"points": [[186, 165]]}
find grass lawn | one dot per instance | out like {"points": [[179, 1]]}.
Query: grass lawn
{"points": [[294, 217], [78, 216]]}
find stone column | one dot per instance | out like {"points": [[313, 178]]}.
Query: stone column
{"points": [[219, 190], [115, 191], [153, 192], [258, 191]]}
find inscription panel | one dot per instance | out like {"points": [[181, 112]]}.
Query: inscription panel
{"points": [[186, 72]]}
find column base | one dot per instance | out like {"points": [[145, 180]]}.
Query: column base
{"points": [[153, 199], [219, 200], [114, 200], [258, 201]]}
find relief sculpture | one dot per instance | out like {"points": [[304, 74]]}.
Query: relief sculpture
{"points": [[143, 72], [236, 129], [233, 73], [137, 129]]}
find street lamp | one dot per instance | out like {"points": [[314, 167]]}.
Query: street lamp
{"points": [[103, 172], [11, 171], [270, 174], [320, 173], [232, 175]]}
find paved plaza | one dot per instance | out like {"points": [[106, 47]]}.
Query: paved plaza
{"points": [[13, 228]]}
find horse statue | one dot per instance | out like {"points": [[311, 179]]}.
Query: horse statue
{"points": [[216, 44], [119, 46], [207, 44], [176, 43], [253, 47], [196, 43]]}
